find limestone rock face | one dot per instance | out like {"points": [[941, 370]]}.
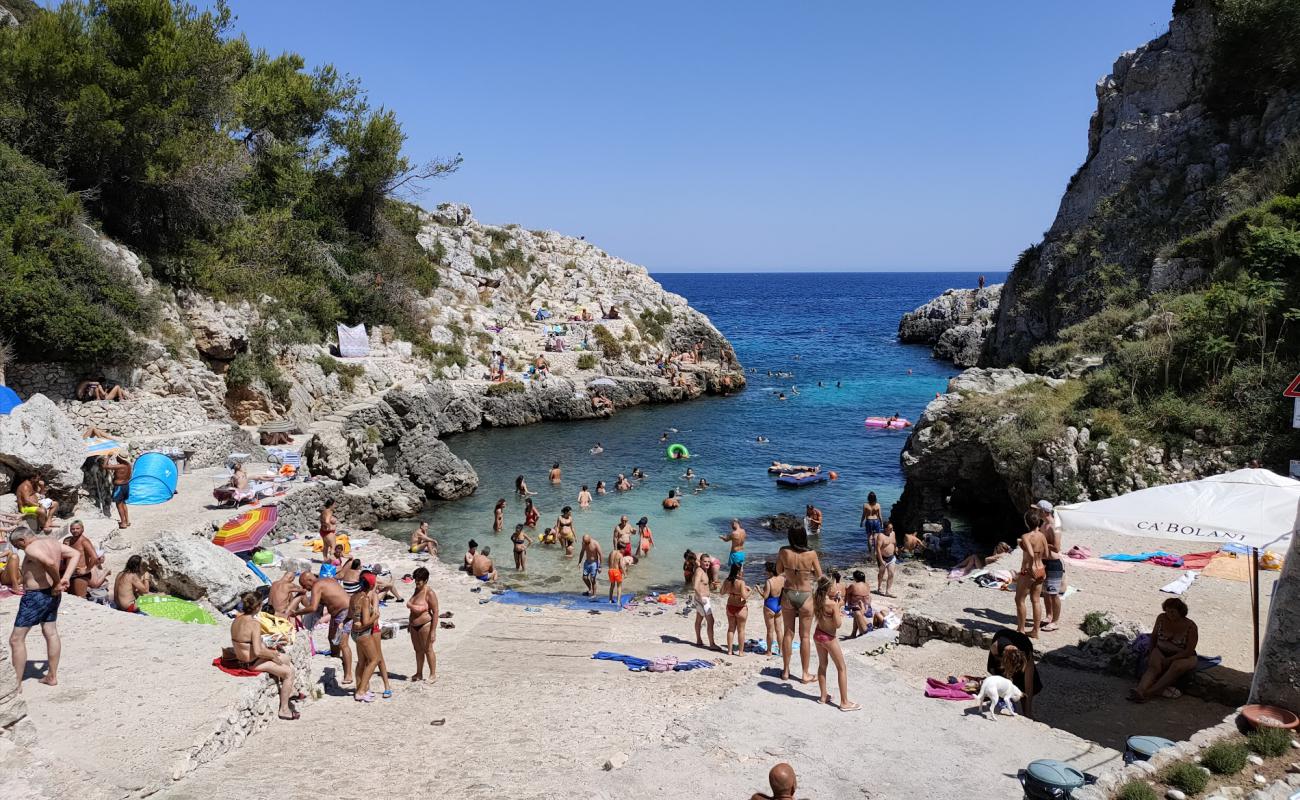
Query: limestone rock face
{"points": [[193, 567], [36, 438], [431, 465], [220, 329]]}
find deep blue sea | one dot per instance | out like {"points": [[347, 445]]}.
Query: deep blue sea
{"points": [[823, 328]]}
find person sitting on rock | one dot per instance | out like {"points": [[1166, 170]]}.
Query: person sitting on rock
{"points": [[99, 389], [612, 313], [32, 502]]}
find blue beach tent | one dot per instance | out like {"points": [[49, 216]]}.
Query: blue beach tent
{"points": [[8, 400], [153, 480]]}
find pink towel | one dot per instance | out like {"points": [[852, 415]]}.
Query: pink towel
{"points": [[1101, 565], [943, 690]]}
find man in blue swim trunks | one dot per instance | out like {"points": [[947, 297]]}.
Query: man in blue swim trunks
{"points": [[43, 589], [482, 567], [590, 559], [737, 537]]}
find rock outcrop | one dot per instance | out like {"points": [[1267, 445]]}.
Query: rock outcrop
{"points": [[956, 324], [36, 438], [1161, 164], [430, 465], [192, 567], [958, 458]]}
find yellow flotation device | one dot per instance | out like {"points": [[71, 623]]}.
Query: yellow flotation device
{"points": [[276, 626], [317, 544]]}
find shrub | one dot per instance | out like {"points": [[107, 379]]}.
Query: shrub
{"points": [[505, 388], [1095, 623], [1136, 790], [587, 361], [1186, 776], [607, 343], [1226, 758], [1270, 742], [499, 237]]}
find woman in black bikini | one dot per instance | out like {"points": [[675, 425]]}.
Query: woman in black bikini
{"points": [[520, 540], [423, 624], [252, 654], [1172, 655], [801, 568]]}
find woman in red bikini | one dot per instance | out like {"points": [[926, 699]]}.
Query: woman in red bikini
{"points": [[830, 614], [531, 514], [737, 592]]}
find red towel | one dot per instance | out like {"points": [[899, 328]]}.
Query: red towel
{"points": [[1198, 560], [238, 672]]}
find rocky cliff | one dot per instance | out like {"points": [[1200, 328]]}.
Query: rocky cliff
{"points": [[1164, 160], [956, 323]]}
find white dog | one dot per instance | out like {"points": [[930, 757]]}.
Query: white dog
{"points": [[996, 688]]}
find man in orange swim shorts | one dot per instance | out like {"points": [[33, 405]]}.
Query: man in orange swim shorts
{"points": [[616, 577]]}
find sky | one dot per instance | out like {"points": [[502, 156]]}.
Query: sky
{"points": [[729, 136]]}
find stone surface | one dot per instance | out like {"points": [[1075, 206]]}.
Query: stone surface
{"points": [[1277, 676], [431, 465], [38, 438], [192, 567], [956, 323]]}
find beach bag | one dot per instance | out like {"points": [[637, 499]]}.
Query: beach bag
{"points": [[275, 626], [1270, 560], [668, 599], [662, 664]]}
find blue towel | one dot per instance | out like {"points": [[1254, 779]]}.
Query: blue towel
{"points": [[695, 663], [633, 663], [1233, 547], [1137, 556]]}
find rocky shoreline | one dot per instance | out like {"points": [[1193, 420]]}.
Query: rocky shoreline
{"points": [[956, 323]]}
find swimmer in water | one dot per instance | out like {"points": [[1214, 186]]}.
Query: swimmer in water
{"points": [[663, 438], [794, 389], [597, 450], [781, 396], [837, 384], [761, 439]]}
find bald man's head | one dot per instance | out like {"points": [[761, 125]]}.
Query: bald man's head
{"points": [[782, 781]]}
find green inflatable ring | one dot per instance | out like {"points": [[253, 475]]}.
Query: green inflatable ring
{"points": [[678, 451]]}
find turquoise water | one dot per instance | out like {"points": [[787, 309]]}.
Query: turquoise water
{"points": [[826, 327]]}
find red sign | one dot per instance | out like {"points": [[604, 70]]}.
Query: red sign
{"points": [[1294, 389]]}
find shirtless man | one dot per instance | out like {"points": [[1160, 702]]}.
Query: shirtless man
{"points": [[90, 559], [422, 542], [32, 502], [43, 588], [872, 519], [671, 501], [813, 518], [133, 582], [886, 560], [564, 532], [328, 593], [328, 528], [117, 466], [703, 603], [616, 577], [737, 538], [482, 567], [783, 783], [623, 484], [623, 536], [1029, 582], [555, 472], [284, 590], [590, 558], [470, 555]]}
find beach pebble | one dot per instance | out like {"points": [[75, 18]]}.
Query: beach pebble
{"points": [[1256, 760], [1295, 743], [615, 761], [1175, 794], [1261, 780]]}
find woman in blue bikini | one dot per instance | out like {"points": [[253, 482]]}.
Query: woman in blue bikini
{"points": [[770, 591]]}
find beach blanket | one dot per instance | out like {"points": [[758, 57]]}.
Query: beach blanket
{"points": [[1100, 566], [635, 664], [563, 600], [1229, 567], [1136, 557], [1198, 561], [230, 668], [1182, 584], [1233, 547], [942, 690], [96, 446]]}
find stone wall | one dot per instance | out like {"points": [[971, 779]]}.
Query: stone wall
{"points": [[138, 418], [56, 381], [252, 711]]}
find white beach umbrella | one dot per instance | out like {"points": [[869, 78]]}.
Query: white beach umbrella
{"points": [[1251, 507], [1254, 508], [602, 382]]}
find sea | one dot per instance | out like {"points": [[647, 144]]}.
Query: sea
{"points": [[828, 341]]}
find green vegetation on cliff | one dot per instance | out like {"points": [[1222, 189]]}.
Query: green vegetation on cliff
{"points": [[232, 171]]}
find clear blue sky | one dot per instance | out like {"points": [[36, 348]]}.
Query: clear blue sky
{"points": [[740, 136]]}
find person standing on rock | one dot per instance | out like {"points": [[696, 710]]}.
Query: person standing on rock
{"points": [[590, 558], [328, 528], [1032, 576], [43, 589], [981, 282], [120, 469]]}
